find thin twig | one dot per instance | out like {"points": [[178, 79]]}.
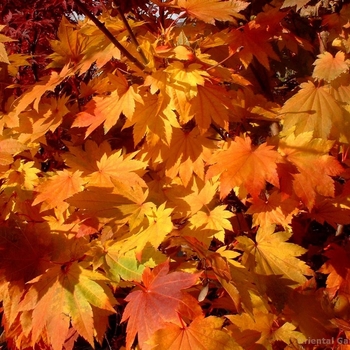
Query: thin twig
{"points": [[108, 34], [131, 33]]}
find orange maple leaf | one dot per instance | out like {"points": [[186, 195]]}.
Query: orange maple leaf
{"points": [[252, 40], [67, 292], [35, 93], [59, 187], [244, 165], [274, 210], [8, 148], [186, 155], [338, 270], [310, 156], [108, 109], [328, 67], [201, 334], [210, 104], [210, 10], [157, 303]]}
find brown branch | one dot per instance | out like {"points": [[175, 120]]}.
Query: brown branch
{"points": [[101, 26], [131, 33]]}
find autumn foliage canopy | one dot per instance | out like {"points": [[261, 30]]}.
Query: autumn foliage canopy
{"points": [[174, 174]]}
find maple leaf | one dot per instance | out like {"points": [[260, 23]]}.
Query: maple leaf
{"points": [[339, 20], [187, 78], [335, 211], [35, 93], [241, 286], [210, 104], [328, 67], [71, 48], [273, 210], [337, 268], [157, 303], [51, 114], [17, 61], [116, 168], [312, 109], [3, 39], [22, 174], [116, 264], [158, 225], [204, 225], [8, 148], [298, 3], [58, 188], [242, 164], [202, 334], [186, 155], [271, 255], [210, 10], [154, 119], [310, 155], [250, 332], [108, 109], [188, 200], [244, 42], [63, 293], [108, 203]]}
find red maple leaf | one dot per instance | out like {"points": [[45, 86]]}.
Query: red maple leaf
{"points": [[159, 301]]}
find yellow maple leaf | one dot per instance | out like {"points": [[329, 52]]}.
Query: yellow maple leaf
{"points": [[116, 168], [259, 329], [187, 78], [48, 118], [210, 10], [22, 174], [189, 200], [157, 226], [154, 119], [270, 254], [312, 109], [3, 39], [328, 67], [71, 48], [17, 60], [204, 225]]}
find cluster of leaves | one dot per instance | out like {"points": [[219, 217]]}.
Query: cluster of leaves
{"points": [[181, 164]]}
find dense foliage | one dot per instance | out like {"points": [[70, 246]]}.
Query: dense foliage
{"points": [[175, 174]]}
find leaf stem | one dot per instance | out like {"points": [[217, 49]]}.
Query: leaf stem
{"points": [[131, 33], [108, 34]]}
